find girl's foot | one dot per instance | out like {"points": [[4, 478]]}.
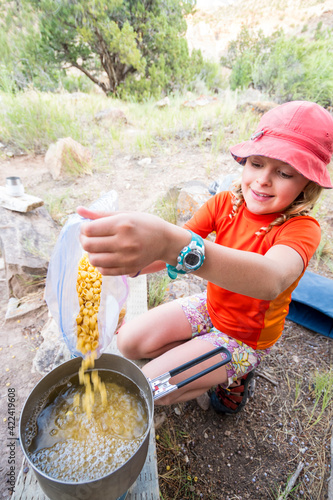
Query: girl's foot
{"points": [[233, 399]]}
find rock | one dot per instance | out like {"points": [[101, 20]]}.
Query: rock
{"points": [[23, 203], [199, 102], [165, 102], [204, 401], [21, 307], [26, 241], [67, 158], [259, 107], [112, 115], [191, 197], [52, 352], [159, 420], [181, 288], [144, 162]]}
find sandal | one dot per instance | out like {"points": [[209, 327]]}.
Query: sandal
{"points": [[232, 400]]}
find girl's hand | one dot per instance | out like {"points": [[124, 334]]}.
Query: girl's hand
{"points": [[126, 242]]}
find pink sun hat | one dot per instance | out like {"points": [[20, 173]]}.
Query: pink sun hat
{"points": [[299, 133]]}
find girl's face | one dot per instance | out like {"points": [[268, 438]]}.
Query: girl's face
{"points": [[270, 186]]}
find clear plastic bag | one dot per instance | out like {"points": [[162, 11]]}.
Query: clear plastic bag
{"points": [[60, 291]]}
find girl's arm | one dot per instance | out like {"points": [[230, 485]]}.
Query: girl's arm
{"points": [[259, 276], [125, 243]]}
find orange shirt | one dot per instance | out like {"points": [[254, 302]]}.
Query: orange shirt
{"points": [[257, 323]]}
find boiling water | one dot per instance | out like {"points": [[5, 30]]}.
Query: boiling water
{"points": [[70, 446]]}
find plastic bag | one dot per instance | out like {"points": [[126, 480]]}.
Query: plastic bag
{"points": [[60, 291]]}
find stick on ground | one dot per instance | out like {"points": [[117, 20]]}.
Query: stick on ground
{"points": [[291, 482], [266, 377]]}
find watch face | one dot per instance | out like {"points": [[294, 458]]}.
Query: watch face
{"points": [[192, 260]]}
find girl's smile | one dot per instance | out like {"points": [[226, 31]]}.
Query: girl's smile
{"points": [[269, 185]]}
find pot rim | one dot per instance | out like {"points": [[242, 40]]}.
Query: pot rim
{"points": [[150, 409]]}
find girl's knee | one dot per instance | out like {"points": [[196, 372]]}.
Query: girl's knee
{"points": [[126, 342]]}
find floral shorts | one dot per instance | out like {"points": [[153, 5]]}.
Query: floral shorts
{"points": [[244, 358]]}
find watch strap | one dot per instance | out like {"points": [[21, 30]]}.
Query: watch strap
{"points": [[196, 243]]}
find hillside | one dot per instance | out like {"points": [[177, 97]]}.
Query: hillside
{"points": [[216, 22]]}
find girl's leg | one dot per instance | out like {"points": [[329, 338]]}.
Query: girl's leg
{"points": [[154, 332], [244, 360], [181, 354]]}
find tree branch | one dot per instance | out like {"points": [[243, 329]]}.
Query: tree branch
{"points": [[92, 78]]}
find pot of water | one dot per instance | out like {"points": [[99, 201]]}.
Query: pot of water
{"points": [[68, 467]]}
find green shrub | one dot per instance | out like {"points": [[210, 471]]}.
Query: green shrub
{"points": [[287, 68], [297, 69]]}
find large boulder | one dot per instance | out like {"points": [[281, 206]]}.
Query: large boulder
{"points": [[68, 158], [111, 115], [191, 197], [26, 242]]}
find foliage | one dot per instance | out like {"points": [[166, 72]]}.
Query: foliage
{"points": [[157, 285], [126, 47], [31, 121], [287, 68], [166, 207], [323, 393], [243, 52], [20, 62]]}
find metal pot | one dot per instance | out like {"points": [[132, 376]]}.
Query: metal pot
{"points": [[115, 484]]}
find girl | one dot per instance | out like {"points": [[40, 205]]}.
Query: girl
{"points": [[264, 241]]}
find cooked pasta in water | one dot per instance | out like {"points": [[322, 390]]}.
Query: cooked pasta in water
{"points": [[71, 445]]}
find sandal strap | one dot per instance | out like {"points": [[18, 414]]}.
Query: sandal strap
{"points": [[233, 399]]}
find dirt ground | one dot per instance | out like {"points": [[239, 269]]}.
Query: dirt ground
{"points": [[200, 454]]}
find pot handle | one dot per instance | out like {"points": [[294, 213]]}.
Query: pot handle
{"points": [[160, 385]]}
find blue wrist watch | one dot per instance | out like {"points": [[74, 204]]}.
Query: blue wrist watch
{"points": [[190, 257]]}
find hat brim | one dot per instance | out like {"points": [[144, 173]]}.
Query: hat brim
{"points": [[310, 166]]}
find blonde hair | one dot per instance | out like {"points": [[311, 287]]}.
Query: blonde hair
{"points": [[302, 205]]}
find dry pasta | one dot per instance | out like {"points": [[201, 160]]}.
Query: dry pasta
{"points": [[88, 286]]}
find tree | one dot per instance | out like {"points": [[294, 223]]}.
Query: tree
{"points": [[20, 63], [119, 38]]}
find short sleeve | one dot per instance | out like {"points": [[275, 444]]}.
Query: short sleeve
{"points": [[206, 219], [302, 234]]}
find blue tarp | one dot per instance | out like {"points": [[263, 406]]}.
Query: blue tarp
{"points": [[312, 304]]}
